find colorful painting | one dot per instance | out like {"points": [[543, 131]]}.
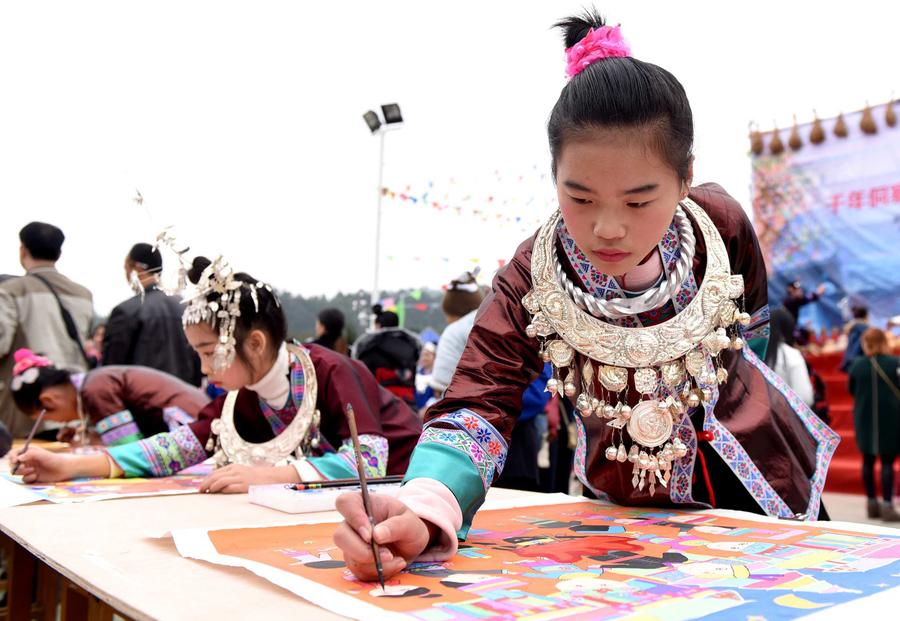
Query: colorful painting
{"points": [[92, 490], [582, 561]]}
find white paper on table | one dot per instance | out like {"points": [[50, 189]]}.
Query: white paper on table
{"points": [[14, 494]]}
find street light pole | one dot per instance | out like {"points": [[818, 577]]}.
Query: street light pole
{"points": [[391, 118], [375, 289]]}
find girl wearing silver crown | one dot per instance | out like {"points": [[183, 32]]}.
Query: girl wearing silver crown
{"points": [[282, 419], [648, 297]]}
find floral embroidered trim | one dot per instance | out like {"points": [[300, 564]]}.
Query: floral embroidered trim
{"points": [[276, 419], [175, 417], [279, 419], [114, 420], [118, 428], [168, 453], [298, 385], [680, 486], [826, 437], [462, 441], [738, 460], [374, 451], [602, 286], [581, 460], [481, 431]]}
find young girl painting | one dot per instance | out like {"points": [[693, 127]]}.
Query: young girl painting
{"points": [[648, 297], [282, 418], [110, 405]]}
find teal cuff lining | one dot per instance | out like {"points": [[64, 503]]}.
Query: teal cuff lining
{"points": [[759, 346], [454, 469], [333, 467], [131, 460]]}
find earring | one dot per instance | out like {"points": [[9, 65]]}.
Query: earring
{"points": [[135, 282]]}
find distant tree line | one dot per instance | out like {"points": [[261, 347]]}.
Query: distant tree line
{"points": [[421, 309]]}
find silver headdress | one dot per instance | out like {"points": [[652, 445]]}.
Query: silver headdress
{"points": [[167, 239], [217, 282], [216, 299]]}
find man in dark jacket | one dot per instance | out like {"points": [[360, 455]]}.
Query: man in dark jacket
{"points": [[146, 329]]}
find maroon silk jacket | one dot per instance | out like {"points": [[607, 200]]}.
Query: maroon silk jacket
{"points": [[499, 361], [340, 381], [142, 391]]}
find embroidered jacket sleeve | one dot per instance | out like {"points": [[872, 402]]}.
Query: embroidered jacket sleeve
{"points": [[342, 381], [128, 403], [464, 443], [746, 259], [166, 453], [342, 464]]}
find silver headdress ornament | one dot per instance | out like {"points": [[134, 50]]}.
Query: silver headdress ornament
{"points": [[167, 239], [218, 281], [216, 299]]}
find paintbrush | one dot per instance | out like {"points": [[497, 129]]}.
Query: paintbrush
{"points": [[34, 428], [367, 501], [299, 487]]}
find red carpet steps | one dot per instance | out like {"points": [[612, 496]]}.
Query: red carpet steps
{"points": [[845, 474]]}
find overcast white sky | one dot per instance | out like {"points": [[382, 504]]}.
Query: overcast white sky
{"points": [[240, 121]]}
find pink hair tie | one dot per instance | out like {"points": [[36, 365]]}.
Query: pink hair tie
{"points": [[27, 359], [604, 42]]}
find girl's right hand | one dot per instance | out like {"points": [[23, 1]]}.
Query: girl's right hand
{"points": [[39, 466], [401, 534]]}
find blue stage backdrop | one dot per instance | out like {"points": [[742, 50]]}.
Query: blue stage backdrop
{"points": [[826, 203]]}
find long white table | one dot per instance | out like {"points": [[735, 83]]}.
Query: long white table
{"points": [[120, 551], [117, 550]]}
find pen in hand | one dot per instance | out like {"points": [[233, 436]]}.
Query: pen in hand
{"points": [[37, 423]]}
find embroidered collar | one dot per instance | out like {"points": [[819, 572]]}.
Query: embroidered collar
{"points": [[281, 418], [602, 286]]}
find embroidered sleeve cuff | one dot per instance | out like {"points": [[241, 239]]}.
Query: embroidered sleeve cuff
{"points": [[118, 428], [432, 501], [455, 470], [374, 450], [161, 455]]}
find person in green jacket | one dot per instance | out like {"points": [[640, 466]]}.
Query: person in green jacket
{"points": [[875, 386]]}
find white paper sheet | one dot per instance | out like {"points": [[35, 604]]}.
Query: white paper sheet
{"points": [[14, 494]]}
